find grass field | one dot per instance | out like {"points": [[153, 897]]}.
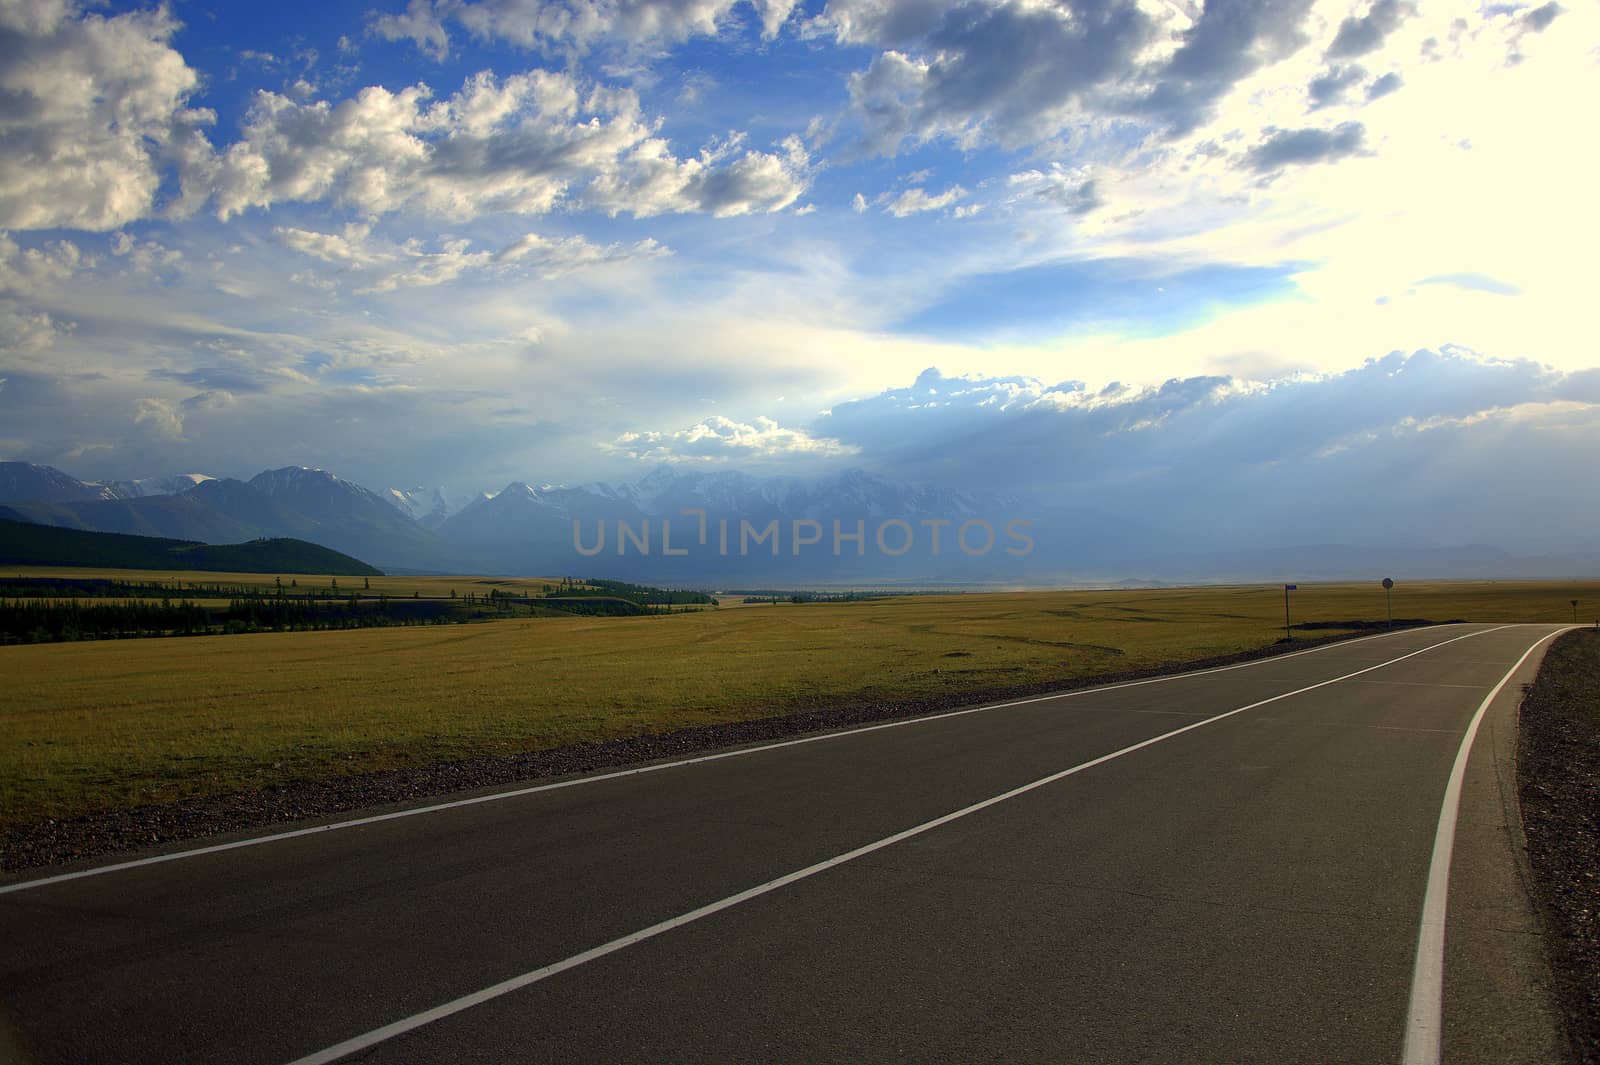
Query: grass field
{"points": [[92, 726]]}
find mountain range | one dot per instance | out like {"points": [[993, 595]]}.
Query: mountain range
{"points": [[722, 529]]}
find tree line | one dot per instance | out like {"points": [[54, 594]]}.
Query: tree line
{"points": [[58, 620]]}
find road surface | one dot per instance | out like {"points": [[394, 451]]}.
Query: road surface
{"points": [[1226, 866]]}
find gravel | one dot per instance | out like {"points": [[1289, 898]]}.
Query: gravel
{"points": [[1558, 781]]}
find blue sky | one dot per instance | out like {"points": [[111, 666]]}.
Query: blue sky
{"points": [[457, 242]]}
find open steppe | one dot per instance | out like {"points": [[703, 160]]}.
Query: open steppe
{"points": [[94, 726]]}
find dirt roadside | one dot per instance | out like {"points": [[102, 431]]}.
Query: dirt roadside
{"points": [[1558, 783]]}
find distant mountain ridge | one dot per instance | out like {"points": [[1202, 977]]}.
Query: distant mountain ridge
{"points": [[535, 528], [292, 502]]}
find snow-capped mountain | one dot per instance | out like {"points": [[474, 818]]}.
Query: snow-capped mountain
{"points": [[156, 486], [353, 519], [312, 489], [23, 482], [430, 507]]}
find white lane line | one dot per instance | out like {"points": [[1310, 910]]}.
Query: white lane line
{"points": [[499, 796], [389, 1031], [1425, 1020]]}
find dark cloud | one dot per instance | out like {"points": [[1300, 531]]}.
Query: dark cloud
{"points": [[1330, 88], [1231, 40], [1016, 61], [1076, 194], [976, 424], [1534, 21], [1582, 386], [1358, 36], [1080, 200], [1541, 17], [213, 399], [239, 378], [1405, 446], [897, 24], [1287, 147], [1009, 69], [1383, 86]]}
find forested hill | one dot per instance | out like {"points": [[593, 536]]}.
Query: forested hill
{"points": [[27, 544]]}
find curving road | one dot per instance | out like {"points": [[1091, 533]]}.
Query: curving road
{"points": [[1225, 866]]}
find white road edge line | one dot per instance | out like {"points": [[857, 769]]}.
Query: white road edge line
{"points": [[499, 796], [505, 987], [1425, 1019]]}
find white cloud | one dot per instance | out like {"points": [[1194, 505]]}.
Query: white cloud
{"points": [[720, 439], [1070, 188], [162, 416], [27, 277], [386, 267], [579, 24], [421, 22], [382, 266], [145, 258], [721, 181], [23, 330], [96, 114], [551, 258], [916, 200], [28, 271], [1462, 166], [522, 145]]}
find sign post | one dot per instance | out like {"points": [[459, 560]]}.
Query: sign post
{"points": [[1574, 611], [1388, 598], [1287, 588]]}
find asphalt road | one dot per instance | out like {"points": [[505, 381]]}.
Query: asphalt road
{"points": [[1010, 884]]}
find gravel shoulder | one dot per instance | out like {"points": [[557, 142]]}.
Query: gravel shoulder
{"points": [[1558, 781], [58, 842]]}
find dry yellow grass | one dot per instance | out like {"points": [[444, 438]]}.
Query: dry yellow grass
{"points": [[90, 726]]}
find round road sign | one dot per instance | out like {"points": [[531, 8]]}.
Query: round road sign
{"points": [[1388, 582]]}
